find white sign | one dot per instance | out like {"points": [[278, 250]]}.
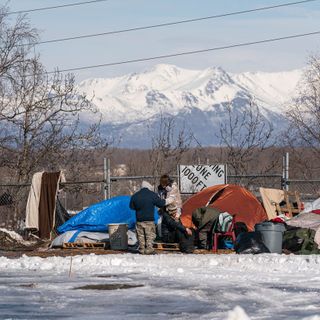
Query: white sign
{"points": [[197, 177]]}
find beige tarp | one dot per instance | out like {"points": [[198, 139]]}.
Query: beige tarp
{"points": [[32, 209], [269, 198], [41, 204]]}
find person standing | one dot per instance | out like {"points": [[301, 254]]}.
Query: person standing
{"points": [[144, 202], [168, 189]]}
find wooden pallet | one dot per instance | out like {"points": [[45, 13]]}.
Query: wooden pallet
{"points": [[74, 245], [166, 246]]}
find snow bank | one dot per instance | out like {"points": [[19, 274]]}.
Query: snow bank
{"points": [[163, 264], [170, 286]]}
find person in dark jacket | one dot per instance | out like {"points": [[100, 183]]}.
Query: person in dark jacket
{"points": [[144, 202], [204, 219], [184, 236]]}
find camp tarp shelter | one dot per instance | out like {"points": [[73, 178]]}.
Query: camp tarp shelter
{"points": [[97, 217], [41, 204], [270, 197], [234, 199], [32, 209]]}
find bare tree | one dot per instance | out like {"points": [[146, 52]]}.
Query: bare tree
{"points": [[40, 113], [16, 41], [168, 146], [304, 114], [244, 136]]}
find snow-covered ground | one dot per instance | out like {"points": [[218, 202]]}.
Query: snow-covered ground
{"points": [[172, 286]]}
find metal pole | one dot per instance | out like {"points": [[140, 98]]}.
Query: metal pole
{"points": [[108, 179], [178, 175], [105, 186], [287, 171], [283, 179], [225, 174]]}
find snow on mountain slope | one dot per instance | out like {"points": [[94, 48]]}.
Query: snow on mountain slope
{"points": [[166, 89], [274, 89]]}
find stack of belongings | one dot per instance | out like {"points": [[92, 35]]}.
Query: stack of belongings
{"points": [[303, 231]]}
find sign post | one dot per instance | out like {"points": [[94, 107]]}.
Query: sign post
{"points": [[194, 178]]}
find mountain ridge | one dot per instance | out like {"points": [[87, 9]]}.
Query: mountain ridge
{"points": [[130, 101]]}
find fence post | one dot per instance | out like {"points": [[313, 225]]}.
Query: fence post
{"points": [[285, 172], [106, 180], [109, 179]]}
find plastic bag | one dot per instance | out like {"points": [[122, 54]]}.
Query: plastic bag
{"points": [[250, 243]]}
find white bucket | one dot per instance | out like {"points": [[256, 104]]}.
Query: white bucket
{"points": [[118, 236]]}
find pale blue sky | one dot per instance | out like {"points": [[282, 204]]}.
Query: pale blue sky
{"points": [[120, 14]]}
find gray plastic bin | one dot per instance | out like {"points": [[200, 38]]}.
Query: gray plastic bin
{"points": [[272, 235], [118, 236]]}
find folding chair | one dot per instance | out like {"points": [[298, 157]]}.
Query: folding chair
{"points": [[230, 233]]}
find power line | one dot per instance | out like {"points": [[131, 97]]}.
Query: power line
{"points": [[56, 7], [244, 44], [171, 23]]}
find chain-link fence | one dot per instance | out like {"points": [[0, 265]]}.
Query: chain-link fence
{"points": [[308, 189], [75, 196], [255, 181], [13, 199]]}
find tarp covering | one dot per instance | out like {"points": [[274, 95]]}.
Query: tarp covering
{"points": [[47, 204], [230, 198], [269, 198], [88, 237], [41, 204], [32, 209], [315, 205], [98, 216]]}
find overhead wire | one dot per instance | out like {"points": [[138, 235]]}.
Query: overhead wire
{"points": [[56, 7], [184, 53], [167, 24]]}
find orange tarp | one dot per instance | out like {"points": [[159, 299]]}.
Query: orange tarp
{"points": [[236, 200]]}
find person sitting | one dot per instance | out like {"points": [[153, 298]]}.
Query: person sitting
{"points": [[184, 236]]}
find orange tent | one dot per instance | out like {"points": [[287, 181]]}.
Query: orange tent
{"points": [[234, 199]]}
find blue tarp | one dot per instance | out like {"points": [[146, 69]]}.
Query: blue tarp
{"points": [[98, 216]]}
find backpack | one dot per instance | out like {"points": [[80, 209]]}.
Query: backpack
{"points": [[300, 241], [223, 222]]}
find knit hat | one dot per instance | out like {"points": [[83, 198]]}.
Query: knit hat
{"points": [[172, 209], [146, 184]]}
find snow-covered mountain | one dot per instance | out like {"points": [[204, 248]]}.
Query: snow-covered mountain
{"points": [[132, 105]]}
